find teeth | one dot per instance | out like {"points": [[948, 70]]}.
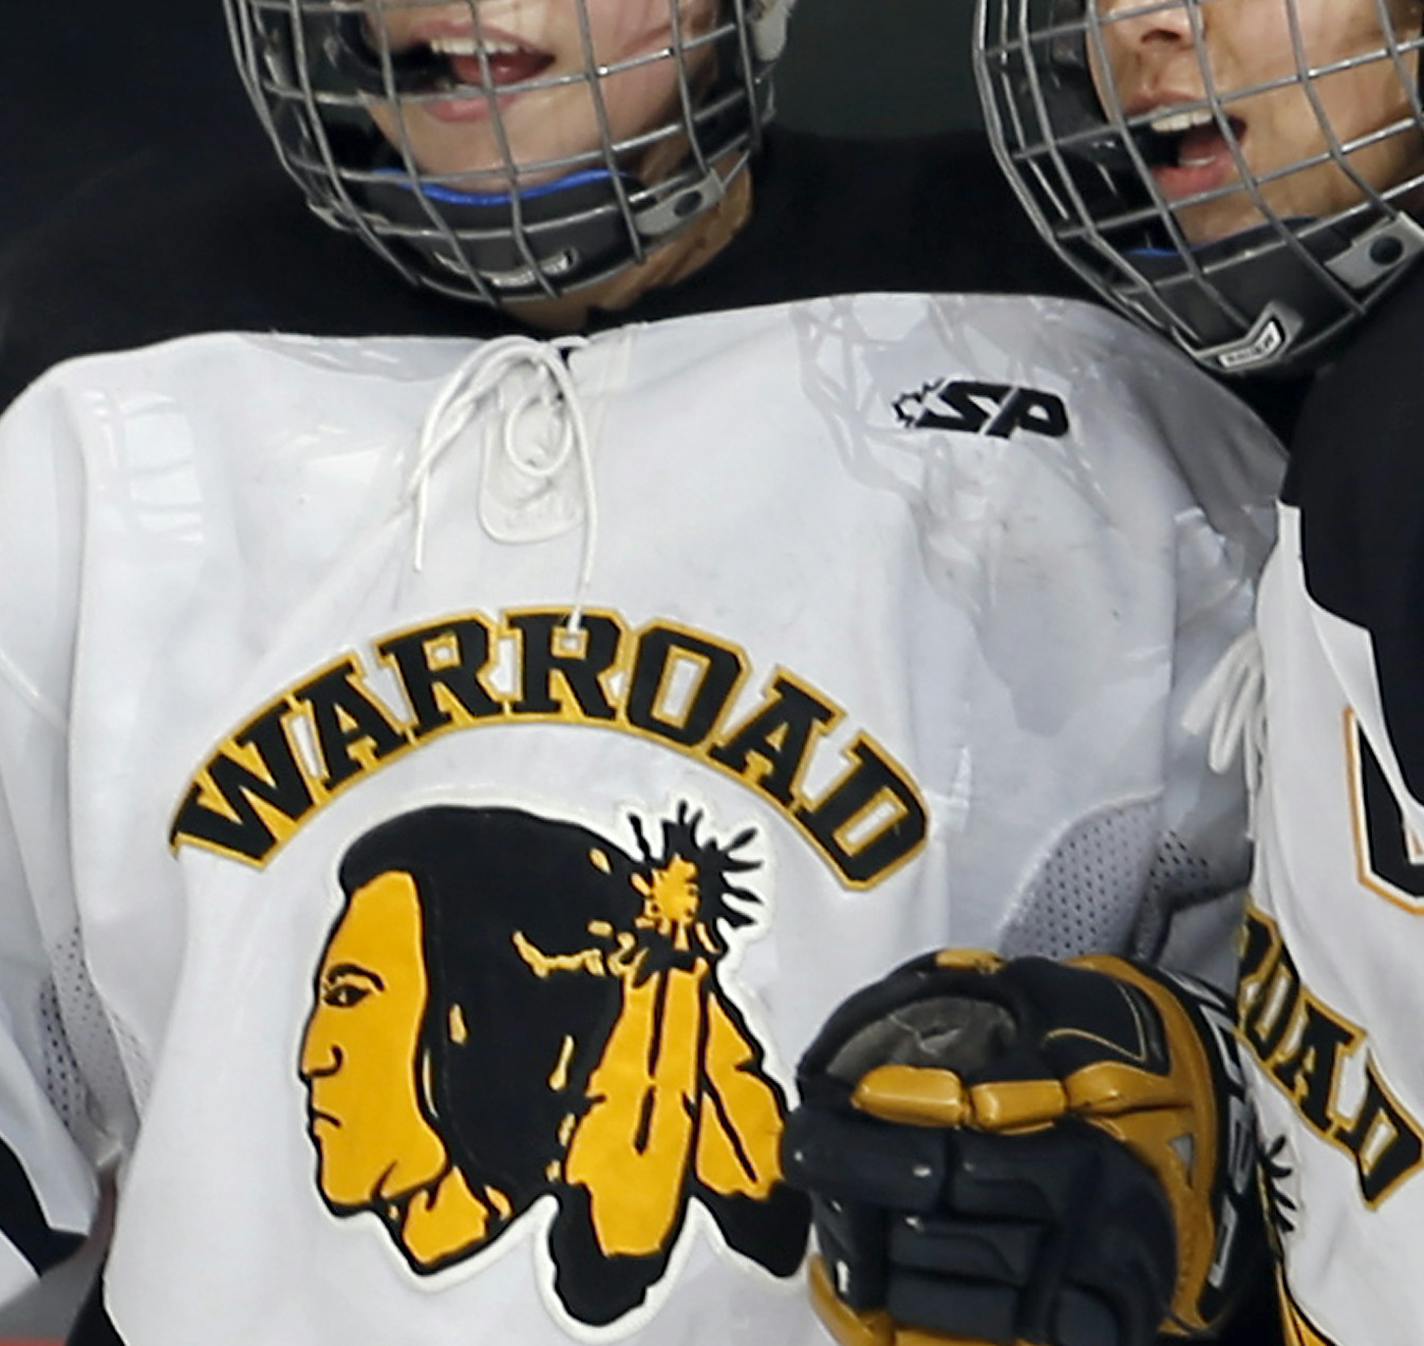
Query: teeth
{"points": [[469, 46], [1174, 123]]}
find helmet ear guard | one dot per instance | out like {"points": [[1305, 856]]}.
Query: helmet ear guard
{"points": [[1274, 296], [515, 230]]}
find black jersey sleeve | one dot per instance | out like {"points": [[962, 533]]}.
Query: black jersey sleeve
{"points": [[1357, 477]]}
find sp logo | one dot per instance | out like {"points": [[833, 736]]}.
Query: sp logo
{"points": [[996, 409]]}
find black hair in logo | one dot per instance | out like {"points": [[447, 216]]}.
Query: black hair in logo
{"points": [[510, 1006]]}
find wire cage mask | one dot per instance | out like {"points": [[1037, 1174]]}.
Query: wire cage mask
{"points": [[504, 150], [1224, 262]]}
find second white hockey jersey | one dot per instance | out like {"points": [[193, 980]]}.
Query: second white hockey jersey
{"points": [[445, 789]]}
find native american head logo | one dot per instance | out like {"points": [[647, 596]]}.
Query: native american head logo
{"points": [[509, 1006]]}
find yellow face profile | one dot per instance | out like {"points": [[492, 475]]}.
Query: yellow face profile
{"points": [[360, 1051], [570, 1037]]}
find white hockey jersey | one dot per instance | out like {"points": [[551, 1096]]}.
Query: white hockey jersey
{"points": [[427, 853], [1329, 999]]}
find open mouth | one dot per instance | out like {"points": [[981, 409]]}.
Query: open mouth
{"points": [[445, 60], [1188, 152], [509, 62]]}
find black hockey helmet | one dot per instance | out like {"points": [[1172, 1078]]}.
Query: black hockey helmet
{"points": [[1153, 187], [504, 150]]}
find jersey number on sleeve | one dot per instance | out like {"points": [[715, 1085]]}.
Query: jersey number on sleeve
{"points": [[1389, 854]]}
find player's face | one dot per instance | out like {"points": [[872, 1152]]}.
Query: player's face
{"points": [[542, 40], [1153, 62], [360, 1056]]}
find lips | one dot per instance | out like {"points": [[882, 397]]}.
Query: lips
{"points": [[1204, 163], [451, 51], [1187, 150], [510, 64], [505, 67]]}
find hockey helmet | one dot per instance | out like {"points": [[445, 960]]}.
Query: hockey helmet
{"points": [[506, 150], [1241, 177]]}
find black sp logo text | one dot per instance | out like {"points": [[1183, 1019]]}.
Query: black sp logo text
{"points": [[996, 409]]}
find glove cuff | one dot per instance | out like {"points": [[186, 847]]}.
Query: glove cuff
{"points": [[1191, 1124]]}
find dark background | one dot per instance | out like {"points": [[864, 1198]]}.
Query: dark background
{"points": [[113, 98]]}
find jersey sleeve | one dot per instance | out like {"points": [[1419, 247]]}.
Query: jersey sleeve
{"points": [[1160, 875], [53, 1131], [1192, 901], [1329, 1001], [1330, 998], [48, 1141]]}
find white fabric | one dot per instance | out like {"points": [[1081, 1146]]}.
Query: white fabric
{"points": [[1351, 1257], [1230, 707], [1012, 621]]}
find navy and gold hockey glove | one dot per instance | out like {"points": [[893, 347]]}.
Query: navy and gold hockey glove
{"points": [[1025, 1152]]}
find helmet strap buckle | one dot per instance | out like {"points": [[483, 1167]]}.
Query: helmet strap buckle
{"points": [[1273, 333], [674, 210], [1378, 252]]}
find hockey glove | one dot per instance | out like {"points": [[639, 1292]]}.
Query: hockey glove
{"points": [[1025, 1152]]}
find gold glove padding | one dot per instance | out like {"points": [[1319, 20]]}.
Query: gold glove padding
{"points": [[850, 1328], [1153, 1091], [1053, 1152]]}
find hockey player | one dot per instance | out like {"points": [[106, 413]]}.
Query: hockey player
{"points": [[446, 785], [1246, 179], [235, 249]]}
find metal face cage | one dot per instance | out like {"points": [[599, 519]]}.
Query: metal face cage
{"points": [[1255, 264], [504, 150]]}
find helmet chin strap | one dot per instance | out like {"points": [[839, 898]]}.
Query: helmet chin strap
{"points": [[1262, 292], [568, 231], [667, 264]]}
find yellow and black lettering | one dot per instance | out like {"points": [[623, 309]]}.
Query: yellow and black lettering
{"points": [[353, 730], [1302, 1045], [1383, 1139], [1309, 1071], [780, 733], [579, 660], [871, 784], [250, 796], [440, 667], [668, 684], [718, 671], [1274, 999]]}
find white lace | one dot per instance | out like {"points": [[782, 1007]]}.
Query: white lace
{"points": [[478, 379], [1232, 704]]}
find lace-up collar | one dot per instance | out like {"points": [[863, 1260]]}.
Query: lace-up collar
{"points": [[536, 479]]}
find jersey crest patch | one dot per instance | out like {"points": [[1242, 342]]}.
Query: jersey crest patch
{"points": [[511, 1007]]}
